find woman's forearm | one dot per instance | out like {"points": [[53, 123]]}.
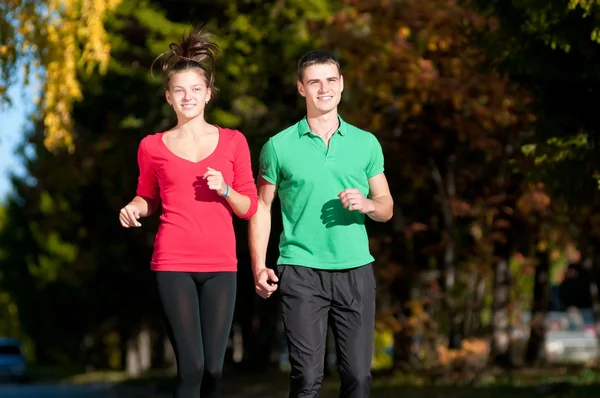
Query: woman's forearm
{"points": [[144, 205], [240, 204]]}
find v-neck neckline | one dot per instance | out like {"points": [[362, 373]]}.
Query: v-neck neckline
{"points": [[220, 143]]}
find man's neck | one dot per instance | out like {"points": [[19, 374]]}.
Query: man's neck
{"points": [[324, 123]]}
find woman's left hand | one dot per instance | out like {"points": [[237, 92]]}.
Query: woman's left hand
{"points": [[215, 181]]}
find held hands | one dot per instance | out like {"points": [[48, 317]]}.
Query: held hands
{"points": [[353, 200], [129, 216], [265, 282], [215, 181]]}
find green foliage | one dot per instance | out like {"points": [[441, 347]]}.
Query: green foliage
{"points": [[61, 38], [551, 49], [9, 313], [65, 253], [416, 75]]}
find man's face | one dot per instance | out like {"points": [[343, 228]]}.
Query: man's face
{"points": [[322, 87]]}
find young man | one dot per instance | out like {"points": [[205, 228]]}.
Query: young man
{"points": [[329, 175]]}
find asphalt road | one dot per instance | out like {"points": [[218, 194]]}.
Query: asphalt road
{"points": [[68, 391]]}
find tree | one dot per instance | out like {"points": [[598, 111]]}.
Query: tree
{"points": [[9, 313], [106, 272], [416, 76], [56, 40], [551, 48]]}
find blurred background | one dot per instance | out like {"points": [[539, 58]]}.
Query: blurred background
{"points": [[487, 112]]}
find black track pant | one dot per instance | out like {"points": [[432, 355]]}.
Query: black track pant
{"points": [[198, 308], [309, 298]]}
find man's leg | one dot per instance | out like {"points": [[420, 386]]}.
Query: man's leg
{"points": [[305, 302], [353, 325]]}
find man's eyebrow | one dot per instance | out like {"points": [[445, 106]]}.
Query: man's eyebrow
{"points": [[328, 78]]}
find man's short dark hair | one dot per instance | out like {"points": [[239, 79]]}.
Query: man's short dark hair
{"points": [[316, 57]]}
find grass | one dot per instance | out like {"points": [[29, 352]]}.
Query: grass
{"points": [[556, 382], [275, 386], [561, 382], [52, 373]]}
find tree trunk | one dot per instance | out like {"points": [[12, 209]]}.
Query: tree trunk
{"points": [[402, 290], [539, 309], [475, 291], [144, 341], [500, 347], [447, 192], [479, 303], [237, 343], [132, 359]]}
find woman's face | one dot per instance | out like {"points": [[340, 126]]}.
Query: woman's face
{"points": [[188, 94]]}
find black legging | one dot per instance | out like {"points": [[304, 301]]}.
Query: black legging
{"points": [[198, 307]]}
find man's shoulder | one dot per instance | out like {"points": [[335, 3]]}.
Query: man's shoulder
{"points": [[286, 137], [357, 132], [286, 133]]}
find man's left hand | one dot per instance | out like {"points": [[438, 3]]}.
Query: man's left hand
{"points": [[353, 200]]}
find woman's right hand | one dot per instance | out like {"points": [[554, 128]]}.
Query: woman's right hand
{"points": [[129, 216]]}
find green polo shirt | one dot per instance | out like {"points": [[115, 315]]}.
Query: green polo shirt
{"points": [[317, 231]]}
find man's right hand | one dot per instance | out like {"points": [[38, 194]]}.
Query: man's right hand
{"points": [[261, 282]]}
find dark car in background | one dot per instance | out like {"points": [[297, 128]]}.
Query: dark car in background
{"points": [[13, 367]]}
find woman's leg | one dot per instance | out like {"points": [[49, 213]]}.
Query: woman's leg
{"points": [[217, 302], [178, 293]]}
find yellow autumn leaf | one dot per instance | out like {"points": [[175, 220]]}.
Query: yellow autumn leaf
{"points": [[74, 38]]}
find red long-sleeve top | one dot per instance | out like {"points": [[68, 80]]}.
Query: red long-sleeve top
{"points": [[195, 233]]}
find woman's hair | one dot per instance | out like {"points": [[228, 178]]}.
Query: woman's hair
{"points": [[194, 51]]}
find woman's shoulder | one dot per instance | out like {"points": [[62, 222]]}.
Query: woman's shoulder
{"points": [[235, 139], [152, 141], [232, 134]]}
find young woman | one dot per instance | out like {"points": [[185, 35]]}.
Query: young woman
{"points": [[200, 174]]}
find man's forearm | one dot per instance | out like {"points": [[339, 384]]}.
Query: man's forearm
{"points": [[259, 229], [383, 208]]}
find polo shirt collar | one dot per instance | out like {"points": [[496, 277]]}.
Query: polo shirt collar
{"points": [[304, 128]]}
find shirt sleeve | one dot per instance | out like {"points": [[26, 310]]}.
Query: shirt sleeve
{"points": [[269, 164], [243, 180], [375, 165], [148, 187]]}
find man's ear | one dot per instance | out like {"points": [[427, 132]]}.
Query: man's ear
{"points": [[300, 87], [342, 83]]}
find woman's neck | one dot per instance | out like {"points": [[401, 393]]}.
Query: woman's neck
{"points": [[194, 128]]}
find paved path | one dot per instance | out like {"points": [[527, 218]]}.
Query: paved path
{"points": [[57, 391], [80, 391]]}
